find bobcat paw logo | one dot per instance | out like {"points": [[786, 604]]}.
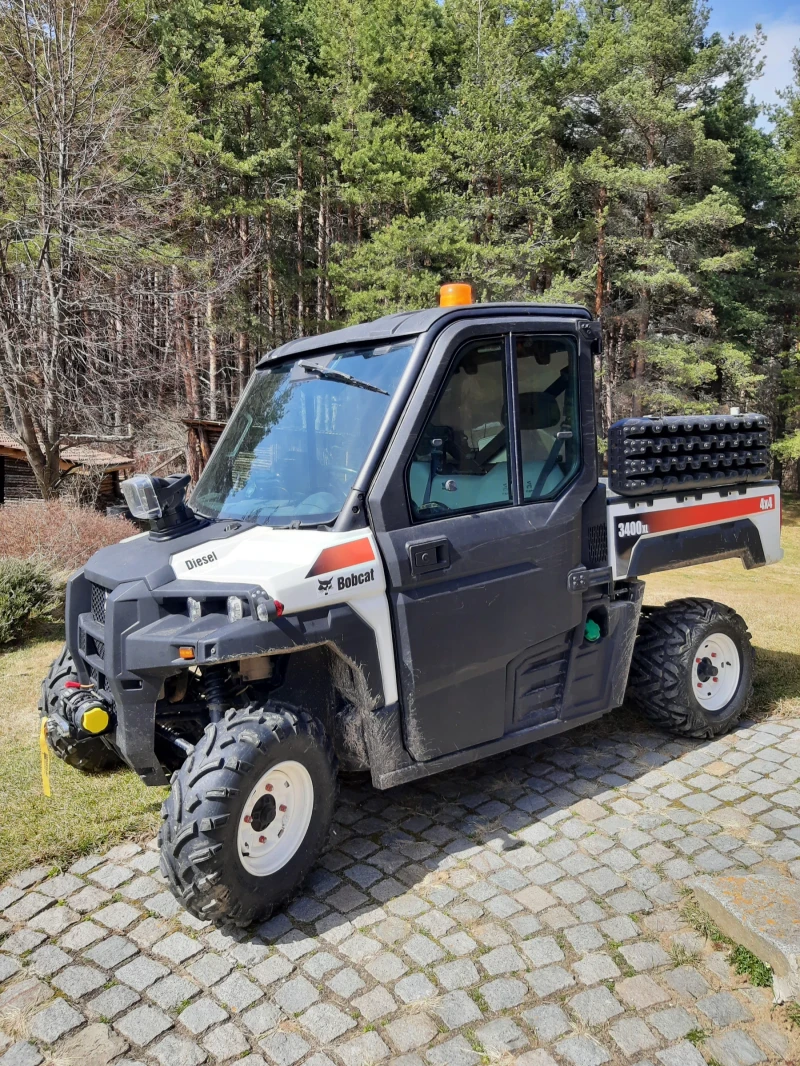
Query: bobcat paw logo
{"points": [[325, 586]]}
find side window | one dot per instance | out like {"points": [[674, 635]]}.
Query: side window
{"points": [[547, 373], [461, 460]]}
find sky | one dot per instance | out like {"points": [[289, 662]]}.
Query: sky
{"points": [[781, 23]]}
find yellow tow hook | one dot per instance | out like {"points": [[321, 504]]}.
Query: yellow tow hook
{"points": [[45, 758]]}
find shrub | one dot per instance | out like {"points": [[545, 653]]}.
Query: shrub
{"points": [[26, 593], [57, 533]]}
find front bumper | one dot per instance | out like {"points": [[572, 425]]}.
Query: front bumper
{"points": [[126, 642]]}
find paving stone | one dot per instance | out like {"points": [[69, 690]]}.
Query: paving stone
{"points": [[178, 1051], [262, 1018], [582, 1051], [363, 1050], [596, 967], [673, 1024], [143, 1025], [112, 1001], [644, 955], [503, 960], [411, 1032], [640, 992], [111, 952], [723, 1008], [237, 992], [500, 1036], [211, 968], [117, 916], [686, 981], [457, 1009], [284, 1049], [345, 983], [141, 972], [503, 993], [23, 1053], [9, 966], [95, 1045], [177, 948], [549, 980], [326, 1022], [295, 995], [415, 988], [111, 876], [78, 981], [595, 1006], [458, 974], [543, 950], [171, 991], [271, 970], [683, 1054], [386, 967], [376, 1004], [548, 1022], [23, 940], [226, 1042], [422, 950], [632, 1036], [455, 1052], [201, 1015], [54, 1021]]}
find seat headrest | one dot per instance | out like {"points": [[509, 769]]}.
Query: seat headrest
{"points": [[538, 410]]}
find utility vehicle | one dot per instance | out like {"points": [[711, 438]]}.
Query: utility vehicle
{"points": [[401, 558]]}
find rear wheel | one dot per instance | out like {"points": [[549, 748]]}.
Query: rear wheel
{"points": [[249, 813], [89, 754], [692, 668]]}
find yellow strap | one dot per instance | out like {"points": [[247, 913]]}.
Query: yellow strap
{"points": [[45, 754]]}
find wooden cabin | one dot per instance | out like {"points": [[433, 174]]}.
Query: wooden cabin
{"points": [[18, 484]]}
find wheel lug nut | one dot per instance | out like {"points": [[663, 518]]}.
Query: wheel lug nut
{"points": [[268, 788], [262, 840], [283, 808], [247, 818], [714, 680]]}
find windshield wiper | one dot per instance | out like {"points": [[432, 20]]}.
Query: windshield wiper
{"points": [[339, 375]]}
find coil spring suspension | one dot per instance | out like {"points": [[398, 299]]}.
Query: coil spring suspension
{"points": [[216, 681]]}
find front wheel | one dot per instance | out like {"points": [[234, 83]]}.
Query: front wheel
{"points": [[692, 668], [249, 813]]}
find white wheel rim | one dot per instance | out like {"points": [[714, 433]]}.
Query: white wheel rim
{"points": [[275, 818], [716, 670]]}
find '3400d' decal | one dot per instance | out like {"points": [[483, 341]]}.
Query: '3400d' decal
{"points": [[627, 531]]}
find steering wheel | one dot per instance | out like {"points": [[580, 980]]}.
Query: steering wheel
{"points": [[256, 487]]}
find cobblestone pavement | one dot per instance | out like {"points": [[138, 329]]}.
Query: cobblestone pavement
{"points": [[527, 909]]}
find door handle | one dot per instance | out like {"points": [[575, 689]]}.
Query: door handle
{"points": [[428, 555]]}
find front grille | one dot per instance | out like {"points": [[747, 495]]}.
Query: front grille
{"points": [[598, 545], [99, 596]]}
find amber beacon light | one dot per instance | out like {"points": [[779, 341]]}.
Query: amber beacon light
{"points": [[455, 294]]}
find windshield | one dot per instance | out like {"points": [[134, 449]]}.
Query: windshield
{"points": [[299, 436]]}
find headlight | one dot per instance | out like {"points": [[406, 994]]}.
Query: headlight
{"points": [[235, 608], [141, 497], [195, 609], [264, 609]]}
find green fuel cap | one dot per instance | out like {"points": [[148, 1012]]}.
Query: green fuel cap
{"points": [[592, 631]]}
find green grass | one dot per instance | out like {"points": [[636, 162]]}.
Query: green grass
{"points": [[793, 1014], [745, 962], [85, 811]]}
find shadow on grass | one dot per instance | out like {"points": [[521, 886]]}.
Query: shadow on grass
{"points": [[777, 683]]}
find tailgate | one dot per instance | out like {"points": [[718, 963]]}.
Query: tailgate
{"points": [[650, 533]]}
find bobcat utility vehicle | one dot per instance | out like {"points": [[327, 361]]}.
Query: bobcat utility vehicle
{"points": [[400, 558]]}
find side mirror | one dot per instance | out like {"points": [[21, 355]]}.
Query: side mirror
{"points": [[162, 502]]}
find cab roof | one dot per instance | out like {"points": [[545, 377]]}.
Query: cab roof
{"points": [[412, 323]]}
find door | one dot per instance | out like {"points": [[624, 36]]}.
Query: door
{"points": [[477, 511]]}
